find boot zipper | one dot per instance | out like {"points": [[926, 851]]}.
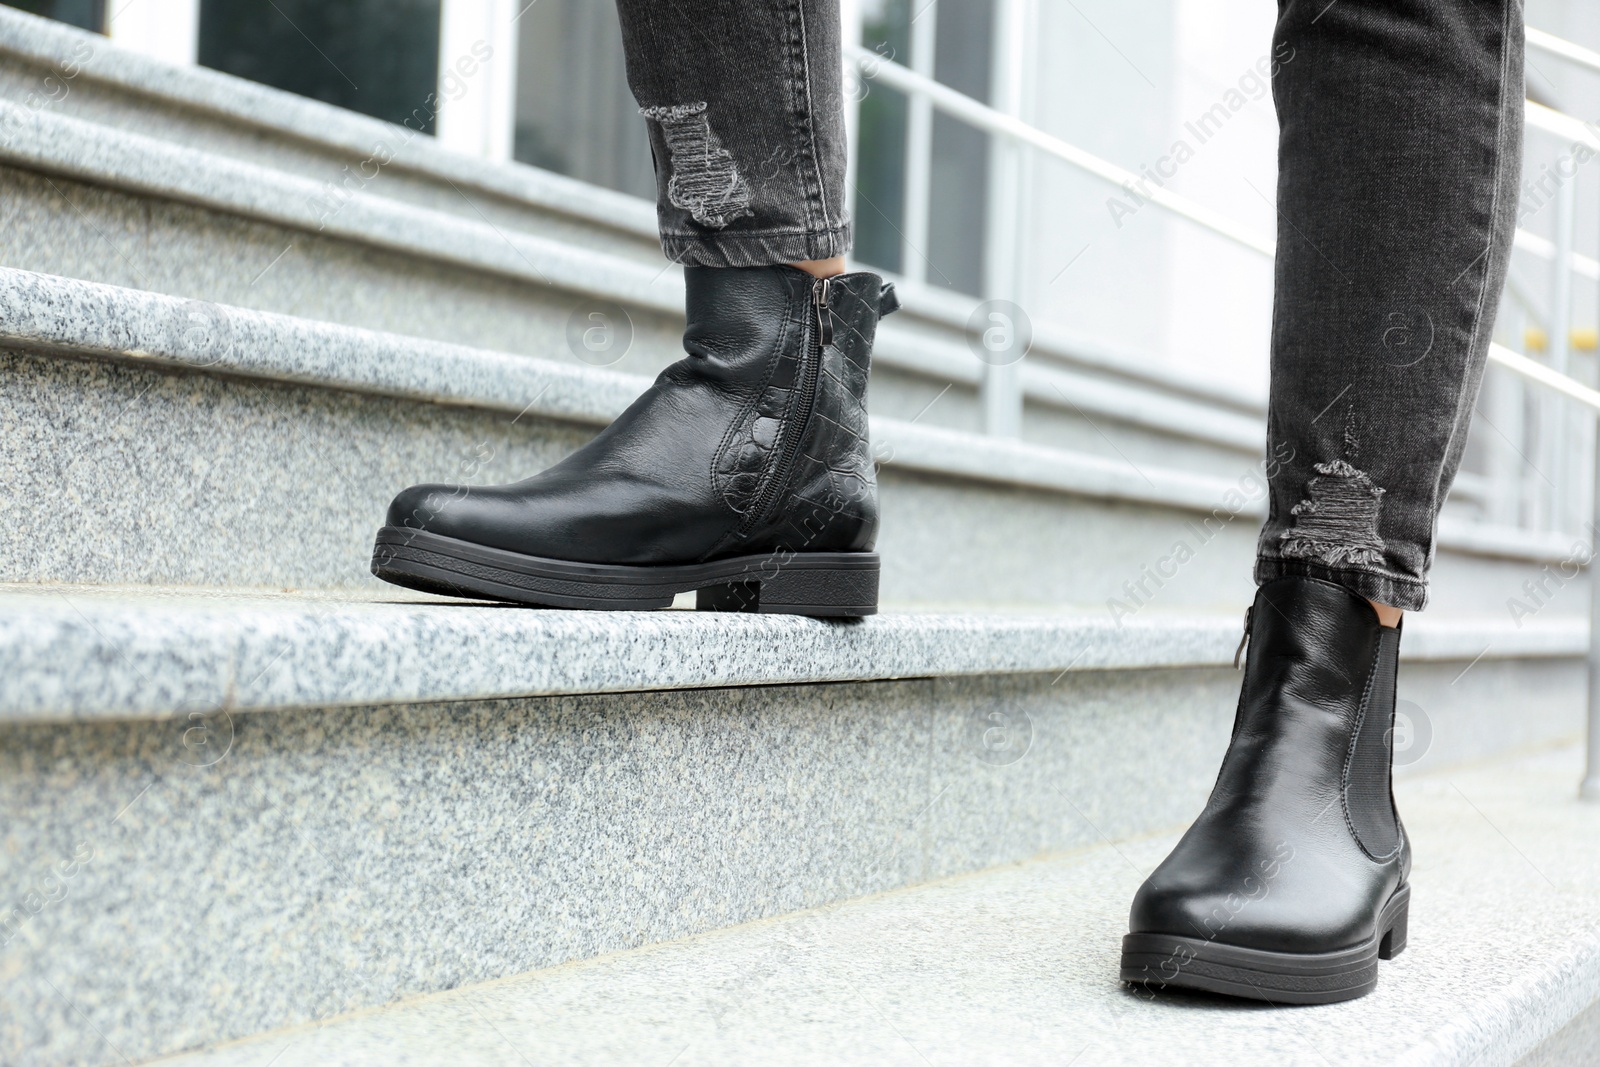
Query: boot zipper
{"points": [[819, 300], [820, 335], [1238, 653]]}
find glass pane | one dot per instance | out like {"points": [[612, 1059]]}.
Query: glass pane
{"points": [[84, 14], [378, 57], [879, 200], [575, 114], [958, 180]]}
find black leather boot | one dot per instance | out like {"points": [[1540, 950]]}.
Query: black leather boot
{"points": [[1292, 883], [743, 473]]}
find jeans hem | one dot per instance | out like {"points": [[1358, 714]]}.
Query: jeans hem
{"points": [[755, 249], [1408, 594]]}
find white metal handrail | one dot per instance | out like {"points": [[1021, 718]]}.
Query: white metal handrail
{"points": [[983, 117], [1544, 248], [1534, 371], [979, 115], [1563, 48]]}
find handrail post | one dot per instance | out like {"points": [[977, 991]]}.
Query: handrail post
{"points": [[1559, 426], [1001, 387], [1590, 788], [914, 250], [1002, 400]]}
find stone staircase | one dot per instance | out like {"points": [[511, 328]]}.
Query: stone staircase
{"points": [[246, 787], [1014, 965]]}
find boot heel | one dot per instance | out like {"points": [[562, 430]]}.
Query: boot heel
{"points": [[822, 584], [1396, 920]]}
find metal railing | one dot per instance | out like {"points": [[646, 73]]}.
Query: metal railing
{"points": [[927, 95], [1586, 133]]}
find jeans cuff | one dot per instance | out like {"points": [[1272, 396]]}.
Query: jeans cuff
{"points": [[754, 249], [1408, 594]]}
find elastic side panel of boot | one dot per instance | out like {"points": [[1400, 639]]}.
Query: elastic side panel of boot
{"points": [[1367, 783]]}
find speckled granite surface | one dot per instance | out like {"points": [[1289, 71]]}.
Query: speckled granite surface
{"points": [[123, 159], [1018, 966], [210, 480], [128, 324], [39, 311], [84, 653], [194, 479], [250, 871], [59, 227], [244, 871], [1576, 1044], [221, 477], [89, 654]]}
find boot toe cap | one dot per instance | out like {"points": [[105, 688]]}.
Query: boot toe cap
{"points": [[1282, 915], [1170, 910], [425, 507]]}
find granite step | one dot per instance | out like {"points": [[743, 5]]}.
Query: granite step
{"points": [[1018, 965], [207, 187], [237, 121], [276, 808], [215, 190], [72, 654], [174, 442]]}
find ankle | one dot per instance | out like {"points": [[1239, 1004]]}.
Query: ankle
{"points": [[1387, 616], [821, 268]]}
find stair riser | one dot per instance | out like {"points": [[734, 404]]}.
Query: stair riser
{"points": [[623, 227], [125, 474], [328, 860], [56, 226], [156, 478], [1576, 1044], [112, 237]]}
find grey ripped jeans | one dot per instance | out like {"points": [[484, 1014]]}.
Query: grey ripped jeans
{"points": [[1399, 157]]}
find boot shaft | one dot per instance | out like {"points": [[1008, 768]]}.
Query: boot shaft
{"points": [[1316, 713]]}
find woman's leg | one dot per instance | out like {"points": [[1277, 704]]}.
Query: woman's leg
{"points": [[744, 103], [743, 474], [1399, 154], [1398, 175]]}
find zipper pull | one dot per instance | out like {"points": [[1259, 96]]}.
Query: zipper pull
{"points": [[819, 298], [1238, 653]]}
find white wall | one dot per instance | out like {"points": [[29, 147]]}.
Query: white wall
{"points": [[477, 76], [1121, 81], [1103, 81], [1219, 296], [165, 29]]}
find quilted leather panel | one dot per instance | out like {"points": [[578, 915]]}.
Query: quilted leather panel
{"points": [[831, 499]]}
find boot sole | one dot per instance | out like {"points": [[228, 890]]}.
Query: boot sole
{"points": [[822, 584], [1160, 961]]}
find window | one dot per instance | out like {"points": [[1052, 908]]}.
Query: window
{"points": [[922, 178], [84, 14], [378, 57], [575, 113]]}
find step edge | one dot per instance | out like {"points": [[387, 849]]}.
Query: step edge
{"points": [[84, 151], [1533, 1012], [75, 655]]}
